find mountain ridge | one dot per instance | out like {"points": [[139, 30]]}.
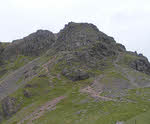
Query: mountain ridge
{"points": [[79, 61]]}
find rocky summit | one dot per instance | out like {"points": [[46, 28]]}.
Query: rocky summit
{"points": [[79, 75]]}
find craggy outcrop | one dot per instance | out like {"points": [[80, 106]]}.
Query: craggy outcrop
{"points": [[75, 74], [33, 45], [84, 44], [77, 35], [9, 106], [1, 51], [141, 64]]}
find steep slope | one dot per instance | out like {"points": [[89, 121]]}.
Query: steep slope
{"points": [[81, 76], [20, 52]]}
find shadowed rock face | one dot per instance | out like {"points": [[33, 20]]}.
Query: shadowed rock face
{"points": [[141, 64], [32, 45], [1, 51], [75, 74]]}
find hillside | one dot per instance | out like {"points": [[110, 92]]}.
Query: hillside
{"points": [[77, 76]]}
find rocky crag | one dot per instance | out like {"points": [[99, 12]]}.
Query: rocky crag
{"points": [[78, 62]]}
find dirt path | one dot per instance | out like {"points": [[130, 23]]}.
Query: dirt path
{"points": [[95, 94], [49, 106], [45, 66]]}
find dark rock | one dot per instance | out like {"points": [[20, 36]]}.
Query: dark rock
{"points": [[32, 45], [141, 64], [121, 47], [77, 35], [43, 75], [9, 106], [75, 74], [140, 55], [28, 86], [27, 93]]}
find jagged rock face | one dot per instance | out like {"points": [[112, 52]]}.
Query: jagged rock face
{"points": [[121, 47], [75, 74], [1, 51], [9, 106], [84, 44], [141, 64], [76, 35], [32, 45]]}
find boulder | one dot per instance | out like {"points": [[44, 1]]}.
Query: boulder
{"points": [[9, 106], [27, 93], [141, 64], [75, 74]]}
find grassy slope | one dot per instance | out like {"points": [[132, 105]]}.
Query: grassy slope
{"points": [[11, 66], [79, 108], [140, 119]]}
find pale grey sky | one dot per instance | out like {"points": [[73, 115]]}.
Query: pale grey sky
{"points": [[128, 21]]}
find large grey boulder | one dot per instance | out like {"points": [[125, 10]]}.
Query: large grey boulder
{"points": [[9, 106], [75, 74]]}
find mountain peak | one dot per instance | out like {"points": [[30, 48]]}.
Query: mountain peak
{"points": [[76, 35]]}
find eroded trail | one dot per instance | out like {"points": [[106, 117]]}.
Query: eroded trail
{"points": [[90, 91], [49, 106], [45, 66]]}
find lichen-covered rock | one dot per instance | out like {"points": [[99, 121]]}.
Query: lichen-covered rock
{"points": [[9, 106], [75, 74]]}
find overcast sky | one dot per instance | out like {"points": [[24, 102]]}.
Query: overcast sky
{"points": [[128, 21]]}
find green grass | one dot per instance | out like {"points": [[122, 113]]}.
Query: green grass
{"points": [[78, 108], [72, 110], [10, 66], [143, 118], [20, 61]]}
